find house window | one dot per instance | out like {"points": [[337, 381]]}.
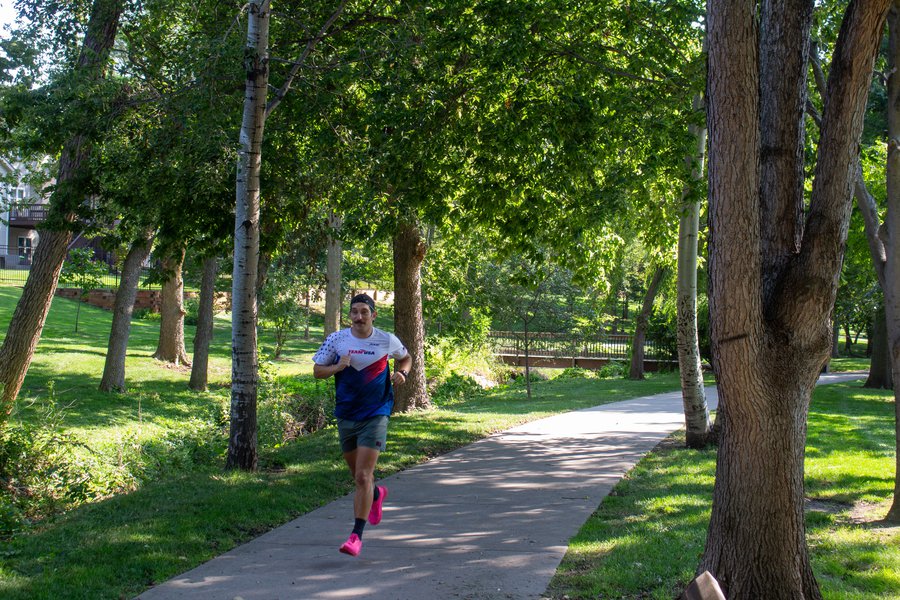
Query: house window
{"points": [[24, 250]]}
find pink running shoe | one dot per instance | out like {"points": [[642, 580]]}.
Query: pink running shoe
{"points": [[375, 513], [352, 546]]}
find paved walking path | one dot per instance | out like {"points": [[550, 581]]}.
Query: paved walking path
{"points": [[491, 520]]}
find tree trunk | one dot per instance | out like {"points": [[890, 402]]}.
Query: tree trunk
{"points": [[308, 307], [640, 329], [409, 252], [835, 339], [242, 450], [880, 365], [31, 311], [891, 285], [171, 325], [527, 362], [333, 278], [113, 379], [696, 411], [773, 277], [204, 333], [848, 340]]}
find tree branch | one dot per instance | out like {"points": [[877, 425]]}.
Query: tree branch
{"points": [[310, 46]]}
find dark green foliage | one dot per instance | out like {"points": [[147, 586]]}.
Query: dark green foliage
{"points": [[456, 389]]}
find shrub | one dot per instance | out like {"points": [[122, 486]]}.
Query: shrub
{"points": [[576, 373], [288, 410], [41, 469], [44, 470], [146, 314], [446, 356], [613, 369], [455, 389], [191, 311]]}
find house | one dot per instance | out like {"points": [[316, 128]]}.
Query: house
{"points": [[22, 209]]}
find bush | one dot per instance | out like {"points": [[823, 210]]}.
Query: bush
{"points": [[613, 369], [191, 311], [288, 411], [146, 314], [445, 357], [455, 389], [576, 373], [44, 470], [41, 469]]}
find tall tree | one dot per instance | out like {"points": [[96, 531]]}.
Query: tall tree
{"points": [[333, 280], [884, 240], [242, 450], [71, 188], [170, 347], [244, 370], [696, 410], [774, 273], [204, 333], [113, 379], [409, 324], [884, 342], [636, 370]]}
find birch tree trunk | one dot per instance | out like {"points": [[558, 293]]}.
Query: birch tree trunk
{"points": [[204, 333], [409, 324], [242, 450], [31, 311], [640, 329], [171, 325], [113, 379], [696, 411], [333, 277], [773, 277]]}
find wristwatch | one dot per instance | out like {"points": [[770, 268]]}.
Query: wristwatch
{"points": [[404, 373]]}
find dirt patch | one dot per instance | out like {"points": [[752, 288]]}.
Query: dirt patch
{"points": [[181, 367], [826, 506]]}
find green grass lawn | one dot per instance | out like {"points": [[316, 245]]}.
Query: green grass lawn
{"points": [[183, 509], [181, 513], [646, 538]]}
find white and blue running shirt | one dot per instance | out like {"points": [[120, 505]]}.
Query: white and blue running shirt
{"points": [[362, 390]]}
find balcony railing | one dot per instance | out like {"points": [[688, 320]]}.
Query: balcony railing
{"points": [[28, 216]]}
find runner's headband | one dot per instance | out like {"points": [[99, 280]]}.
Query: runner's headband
{"points": [[365, 299]]}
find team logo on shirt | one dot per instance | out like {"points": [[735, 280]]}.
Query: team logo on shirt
{"points": [[369, 352]]}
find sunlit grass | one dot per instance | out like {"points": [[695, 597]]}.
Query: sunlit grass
{"points": [[646, 538], [119, 546]]}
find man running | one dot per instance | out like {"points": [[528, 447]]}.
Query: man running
{"points": [[364, 397]]}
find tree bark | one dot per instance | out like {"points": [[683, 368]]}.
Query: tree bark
{"points": [[696, 410], [31, 311], [891, 238], [242, 450], [113, 379], [333, 277], [170, 347], [409, 252], [640, 329], [204, 333], [835, 339], [880, 364], [773, 278]]}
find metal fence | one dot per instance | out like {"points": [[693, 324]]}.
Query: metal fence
{"points": [[567, 345], [15, 267]]}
